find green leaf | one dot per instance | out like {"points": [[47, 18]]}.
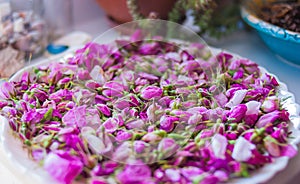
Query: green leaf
{"points": [[27, 142], [48, 115], [160, 133], [198, 179], [176, 136]]}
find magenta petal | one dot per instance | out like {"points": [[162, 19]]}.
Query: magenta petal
{"points": [[165, 101], [268, 118], [239, 74], [284, 115], [84, 75], [182, 115], [9, 111], [135, 124], [210, 180], [123, 136], [104, 109], [141, 82], [251, 119], [271, 80], [224, 57], [148, 76], [92, 85], [75, 116], [137, 36], [133, 112], [258, 158], [238, 113], [230, 92], [190, 65], [134, 101], [39, 94], [168, 146], [62, 166], [64, 81], [114, 85], [151, 92], [151, 137], [289, 151], [25, 77], [221, 99], [167, 123], [106, 168], [143, 116], [112, 93], [113, 89], [149, 48], [194, 119], [61, 95], [139, 146], [121, 104], [191, 172], [3, 104], [272, 147], [136, 172], [6, 90], [32, 117], [111, 125], [234, 65]]}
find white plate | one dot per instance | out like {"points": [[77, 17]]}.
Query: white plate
{"points": [[29, 172]]}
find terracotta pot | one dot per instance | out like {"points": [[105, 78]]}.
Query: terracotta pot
{"points": [[118, 11]]}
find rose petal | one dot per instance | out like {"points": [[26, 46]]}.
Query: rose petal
{"points": [[151, 92], [242, 150], [219, 145], [63, 167], [237, 98]]}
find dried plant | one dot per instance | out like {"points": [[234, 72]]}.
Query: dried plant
{"points": [[215, 18]]}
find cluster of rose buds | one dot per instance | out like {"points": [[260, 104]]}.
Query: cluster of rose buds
{"points": [[150, 111]]}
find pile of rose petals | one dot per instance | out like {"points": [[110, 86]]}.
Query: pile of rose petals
{"points": [[152, 111]]}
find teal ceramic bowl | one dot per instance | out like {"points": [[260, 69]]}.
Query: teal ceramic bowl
{"points": [[282, 42]]}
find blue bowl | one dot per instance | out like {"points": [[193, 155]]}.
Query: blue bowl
{"points": [[282, 42]]}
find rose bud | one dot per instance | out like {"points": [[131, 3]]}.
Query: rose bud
{"points": [[151, 92]]}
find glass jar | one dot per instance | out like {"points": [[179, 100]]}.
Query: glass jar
{"points": [[25, 30], [23, 33]]}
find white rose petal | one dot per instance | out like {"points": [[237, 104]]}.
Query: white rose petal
{"points": [[253, 107], [97, 74], [219, 144], [237, 98], [173, 175], [242, 150]]}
